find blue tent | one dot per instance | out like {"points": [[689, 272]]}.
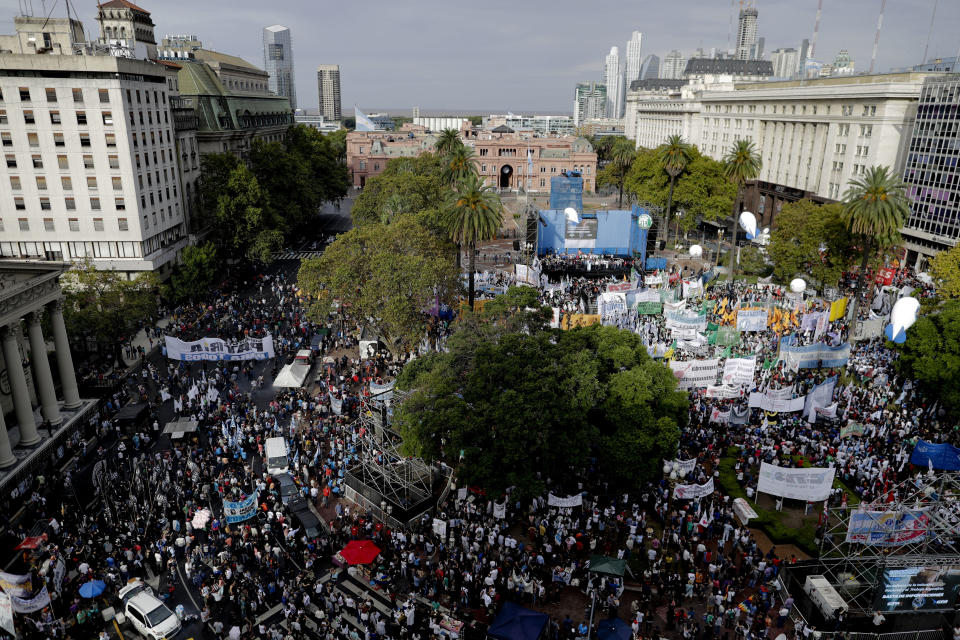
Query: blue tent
{"points": [[518, 623], [614, 629]]}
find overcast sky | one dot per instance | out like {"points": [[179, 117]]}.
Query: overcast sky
{"points": [[521, 55]]}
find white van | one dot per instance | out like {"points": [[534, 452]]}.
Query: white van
{"points": [[276, 461]]}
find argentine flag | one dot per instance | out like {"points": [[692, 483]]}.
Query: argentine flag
{"points": [[363, 122]]}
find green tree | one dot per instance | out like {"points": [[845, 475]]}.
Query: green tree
{"points": [[810, 240], [447, 141], [338, 145], [106, 306], [530, 404], [473, 216], [409, 185], [931, 355], [674, 155], [244, 219], [197, 271], [385, 276], [753, 262], [945, 271], [459, 166], [741, 164], [215, 170], [616, 170], [875, 206]]}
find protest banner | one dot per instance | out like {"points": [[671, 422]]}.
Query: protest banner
{"points": [[6, 614], [751, 320], [816, 355], [772, 402], [887, 528], [500, 510], [653, 281], [217, 349], [619, 286], [240, 511], [685, 322], [942, 456], [739, 371], [30, 605], [867, 329], [649, 308], [684, 467], [440, 527], [838, 309], [719, 416], [723, 392], [852, 429], [739, 415], [15, 584], [744, 512], [692, 374], [693, 491], [569, 501], [611, 303], [820, 396], [574, 320], [810, 483]]}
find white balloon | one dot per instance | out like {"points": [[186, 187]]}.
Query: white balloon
{"points": [[798, 285], [749, 223], [572, 215], [696, 251], [904, 314]]}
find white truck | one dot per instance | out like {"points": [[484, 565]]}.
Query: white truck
{"points": [[276, 456]]}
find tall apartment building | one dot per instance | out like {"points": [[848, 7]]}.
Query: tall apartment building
{"points": [[931, 172], [589, 102], [278, 62], [785, 62], [674, 64], [650, 70], [328, 89], [634, 62], [613, 79], [747, 34]]}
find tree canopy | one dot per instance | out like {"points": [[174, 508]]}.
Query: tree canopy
{"points": [[812, 241], [931, 355], [196, 272], [524, 403], [945, 271], [385, 276], [407, 185]]}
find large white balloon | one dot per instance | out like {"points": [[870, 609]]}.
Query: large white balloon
{"points": [[798, 285], [902, 317], [572, 215], [696, 251], [749, 223]]}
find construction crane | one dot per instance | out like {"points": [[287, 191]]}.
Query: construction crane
{"points": [[876, 38]]}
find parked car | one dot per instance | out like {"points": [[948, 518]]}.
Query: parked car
{"points": [[146, 612], [288, 488]]}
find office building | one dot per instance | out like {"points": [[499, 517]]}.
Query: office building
{"points": [[634, 63], [747, 34], [708, 71], [278, 62], [674, 64], [540, 125], [660, 108], [589, 102], [613, 78], [931, 172], [785, 63], [804, 54], [650, 70], [328, 90], [439, 123]]}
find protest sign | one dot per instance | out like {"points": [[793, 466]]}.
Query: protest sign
{"points": [[217, 349], [739, 371], [692, 374], [811, 483], [751, 319], [240, 511], [693, 491]]}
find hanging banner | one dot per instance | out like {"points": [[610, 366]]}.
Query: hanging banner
{"points": [[812, 483], [852, 429], [739, 371], [6, 615], [649, 308], [809, 320], [820, 396], [693, 374], [888, 528], [336, 404], [812, 356], [217, 349], [609, 304], [653, 281], [684, 322], [15, 585], [569, 501], [59, 570], [240, 511], [30, 605], [751, 320], [693, 491], [376, 389], [692, 288], [727, 336], [647, 295], [500, 510], [723, 392], [867, 329], [774, 402]]}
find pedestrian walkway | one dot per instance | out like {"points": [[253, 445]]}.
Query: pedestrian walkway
{"points": [[141, 339]]}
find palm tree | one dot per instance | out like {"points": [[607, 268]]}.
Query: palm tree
{"points": [[621, 159], [459, 166], [474, 215], [447, 141], [875, 206], [675, 154], [742, 163]]}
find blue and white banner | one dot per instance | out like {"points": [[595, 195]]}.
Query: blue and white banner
{"points": [[940, 456], [812, 356], [751, 319], [240, 511], [29, 605], [888, 528], [217, 349]]}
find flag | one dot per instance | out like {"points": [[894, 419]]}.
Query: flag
{"points": [[363, 122], [530, 160]]}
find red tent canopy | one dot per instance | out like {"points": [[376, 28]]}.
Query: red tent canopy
{"points": [[359, 552], [30, 542]]}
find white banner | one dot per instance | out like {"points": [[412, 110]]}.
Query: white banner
{"points": [[685, 466], [769, 402], [440, 527], [751, 320], [336, 404], [29, 605], [555, 320], [812, 483], [693, 491], [676, 320], [652, 281], [820, 396], [693, 374], [6, 615], [609, 304], [692, 288], [575, 500], [739, 371], [743, 510], [15, 584], [723, 392], [500, 510], [217, 349], [647, 295]]}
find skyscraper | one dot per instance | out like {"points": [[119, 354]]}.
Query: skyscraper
{"points": [[278, 62], [634, 63], [650, 70], [328, 88], [589, 101], [785, 62], [804, 54], [613, 78], [746, 34], [673, 66]]}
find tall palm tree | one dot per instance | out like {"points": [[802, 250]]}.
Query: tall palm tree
{"points": [[675, 154], [473, 216], [875, 206], [459, 166], [621, 159], [447, 141], [742, 163]]}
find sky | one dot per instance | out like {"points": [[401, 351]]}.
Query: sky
{"points": [[517, 55]]}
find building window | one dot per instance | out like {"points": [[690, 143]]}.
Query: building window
{"points": [[107, 117], [95, 204], [81, 117], [6, 139], [88, 162], [66, 183], [63, 162], [48, 224], [119, 204], [98, 224], [70, 204], [37, 162], [104, 96], [51, 94], [55, 117], [45, 204], [28, 117], [84, 139], [41, 183], [78, 95], [19, 204], [24, 224], [114, 162], [111, 140], [15, 183], [11, 161], [92, 183], [24, 94], [74, 224], [122, 224], [33, 140], [58, 140]]}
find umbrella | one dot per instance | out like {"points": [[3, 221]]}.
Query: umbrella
{"points": [[92, 589], [359, 552]]}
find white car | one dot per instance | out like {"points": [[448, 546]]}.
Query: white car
{"points": [[146, 612]]}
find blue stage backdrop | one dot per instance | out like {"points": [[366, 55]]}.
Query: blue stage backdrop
{"points": [[602, 232]]}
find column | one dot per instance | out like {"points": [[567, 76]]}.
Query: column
{"points": [[68, 377], [41, 370], [18, 385], [6, 454]]}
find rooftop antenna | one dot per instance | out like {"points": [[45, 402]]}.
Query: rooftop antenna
{"points": [[876, 38], [816, 30], [933, 18]]}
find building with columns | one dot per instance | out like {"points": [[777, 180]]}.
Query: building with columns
{"points": [[34, 416]]}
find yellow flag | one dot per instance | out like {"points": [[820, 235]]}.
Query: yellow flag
{"points": [[838, 309]]}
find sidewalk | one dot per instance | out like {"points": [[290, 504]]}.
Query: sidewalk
{"points": [[142, 340]]}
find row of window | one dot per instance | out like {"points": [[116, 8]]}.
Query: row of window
{"points": [[71, 250], [69, 203], [73, 224], [63, 161], [66, 183], [81, 117], [33, 139], [51, 94], [845, 110]]}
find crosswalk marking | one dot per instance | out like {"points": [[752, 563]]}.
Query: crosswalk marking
{"points": [[296, 255]]}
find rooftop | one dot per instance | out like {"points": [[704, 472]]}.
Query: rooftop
{"points": [[122, 4], [729, 66], [222, 58]]}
